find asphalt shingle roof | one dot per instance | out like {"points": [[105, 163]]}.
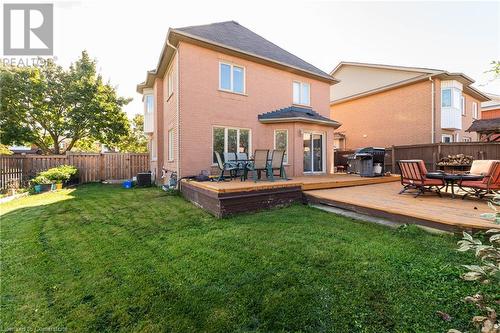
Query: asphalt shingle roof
{"points": [[236, 36], [485, 125], [296, 112]]}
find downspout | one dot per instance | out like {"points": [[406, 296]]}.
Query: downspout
{"points": [[433, 111], [177, 113]]}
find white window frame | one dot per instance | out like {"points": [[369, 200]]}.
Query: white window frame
{"points": [[170, 83], [146, 97], [451, 98], [466, 139], [446, 136], [231, 79], [226, 128], [475, 114], [153, 148], [463, 105], [324, 152], [171, 139], [300, 101], [285, 160]]}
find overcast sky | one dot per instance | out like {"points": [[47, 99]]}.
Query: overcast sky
{"points": [[126, 37]]}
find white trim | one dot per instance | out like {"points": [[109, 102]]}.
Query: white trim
{"points": [[323, 153], [170, 84], [475, 112], [226, 128], [231, 78], [301, 84], [446, 136], [285, 161], [463, 105], [332, 123]]}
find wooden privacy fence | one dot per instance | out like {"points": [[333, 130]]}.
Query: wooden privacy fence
{"points": [[430, 153], [92, 167]]}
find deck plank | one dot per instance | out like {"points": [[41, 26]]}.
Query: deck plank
{"points": [[462, 214]]}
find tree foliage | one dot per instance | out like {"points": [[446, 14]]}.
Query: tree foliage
{"points": [[49, 105], [135, 141]]}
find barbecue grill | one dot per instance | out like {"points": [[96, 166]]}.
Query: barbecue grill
{"points": [[367, 162]]}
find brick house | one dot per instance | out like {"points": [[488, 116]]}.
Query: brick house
{"points": [[381, 105], [221, 87]]}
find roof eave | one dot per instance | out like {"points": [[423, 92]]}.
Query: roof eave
{"points": [[331, 123]]}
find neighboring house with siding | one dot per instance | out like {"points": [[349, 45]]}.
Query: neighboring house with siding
{"points": [[383, 105], [491, 109], [221, 87]]}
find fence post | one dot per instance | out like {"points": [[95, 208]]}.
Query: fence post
{"points": [[101, 166]]}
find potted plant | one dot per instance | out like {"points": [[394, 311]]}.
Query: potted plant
{"points": [[41, 184]]}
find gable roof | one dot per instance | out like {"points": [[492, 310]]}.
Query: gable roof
{"points": [[295, 113], [413, 75], [231, 37]]}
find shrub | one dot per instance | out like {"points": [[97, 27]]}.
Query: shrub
{"points": [[40, 180], [60, 174], [487, 270]]}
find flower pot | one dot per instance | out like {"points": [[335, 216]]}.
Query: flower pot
{"points": [[38, 188], [45, 187], [59, 186]]}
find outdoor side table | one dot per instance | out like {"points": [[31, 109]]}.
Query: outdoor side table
{"points": [[451, 179]]}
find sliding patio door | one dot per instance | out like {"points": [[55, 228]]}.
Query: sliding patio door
{"points": [[313, 152]]}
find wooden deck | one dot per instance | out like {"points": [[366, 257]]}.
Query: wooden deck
{"points": [[383, 200], [305, 182]]}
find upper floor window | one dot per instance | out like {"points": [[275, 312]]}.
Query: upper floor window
{"points": [[301, 93], [170, 84], [474, 110], [446, 99], [232, 78], [463, 105], [149, 103]]}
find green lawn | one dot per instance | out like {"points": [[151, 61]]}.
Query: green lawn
{"points": [[104, 258]]}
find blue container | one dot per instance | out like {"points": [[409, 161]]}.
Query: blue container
{"points": [[127, 184]]}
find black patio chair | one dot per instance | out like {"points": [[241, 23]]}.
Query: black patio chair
{"points": [[232, 167]]}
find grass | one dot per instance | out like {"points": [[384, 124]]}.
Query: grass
{"points": [[101, 258]]}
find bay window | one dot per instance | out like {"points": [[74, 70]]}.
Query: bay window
{"points": [[230, 140], [149, 104], [231, 78], [463, 105]]}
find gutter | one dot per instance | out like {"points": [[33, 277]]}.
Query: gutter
{"points": [[177, 113], [433, 111], [333, 123]]}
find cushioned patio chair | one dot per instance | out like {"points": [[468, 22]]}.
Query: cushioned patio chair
{"points": [[276, 163], [413, 176], [230, 166], [487, 185], [259, 163]]}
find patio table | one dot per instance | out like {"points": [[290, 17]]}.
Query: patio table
{"points": [[451, 179], [244, 164]]}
